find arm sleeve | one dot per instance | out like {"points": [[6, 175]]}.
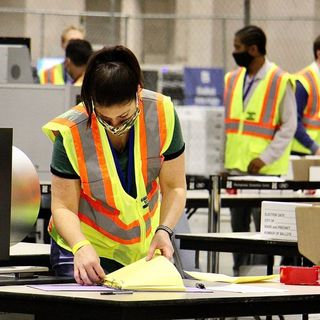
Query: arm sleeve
{"points": [[60, 164], [288, 125], [301, 135], [177, 145]]}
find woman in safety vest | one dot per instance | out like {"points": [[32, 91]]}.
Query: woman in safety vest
{"points": [[112, 155]]}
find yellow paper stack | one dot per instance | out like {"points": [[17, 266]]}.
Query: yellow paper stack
{"points": [[158, 274]]}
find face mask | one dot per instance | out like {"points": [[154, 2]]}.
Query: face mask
{"points": [[243, 59], [123, 127]]}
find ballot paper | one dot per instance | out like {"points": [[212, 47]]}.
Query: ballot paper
{"points": [[158, 274], [70, 287], [218, 277]]}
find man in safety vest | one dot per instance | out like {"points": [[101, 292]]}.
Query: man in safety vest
{"points": [[57, 74], [307, 136], [260, 120], [78, 52]]}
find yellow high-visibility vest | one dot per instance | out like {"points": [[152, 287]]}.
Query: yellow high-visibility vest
{"points": [[119, 226], [250, 131], [311, 116], [53, 75]]}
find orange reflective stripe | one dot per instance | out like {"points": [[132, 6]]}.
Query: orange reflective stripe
{"points": [[153, 190], [53, 75], [46, 76], [233, 90], [143, 146], [111, 236], [162, 119], [310, 101], [313, 98], [78, 147], [102, 162]]}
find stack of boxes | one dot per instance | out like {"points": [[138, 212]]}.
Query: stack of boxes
{"points": [[203, 132]]}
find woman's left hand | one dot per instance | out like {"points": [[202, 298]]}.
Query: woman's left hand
{"points": [[161, 241]]}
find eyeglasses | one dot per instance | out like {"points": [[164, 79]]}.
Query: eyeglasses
{"points": [[124, 126]]}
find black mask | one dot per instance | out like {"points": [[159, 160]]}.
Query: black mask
{"points": [[243, 59]]}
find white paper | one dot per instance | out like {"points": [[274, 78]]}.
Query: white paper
{"points": [[246, 289]]}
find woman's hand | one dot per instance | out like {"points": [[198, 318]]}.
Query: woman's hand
{"points": [[161, 241], [87, 268]]}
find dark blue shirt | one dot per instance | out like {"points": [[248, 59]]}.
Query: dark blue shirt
{"points": [[301, 135]]}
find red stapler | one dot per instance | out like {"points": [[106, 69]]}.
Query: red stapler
{"points": [[300, 275]]}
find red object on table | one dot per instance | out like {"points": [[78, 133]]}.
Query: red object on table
{"points": [[231, 191], [300, 275]]}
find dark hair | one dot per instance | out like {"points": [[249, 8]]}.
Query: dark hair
{"points": [[316, 46], [112, 77], [253, 35], [79, 51]]}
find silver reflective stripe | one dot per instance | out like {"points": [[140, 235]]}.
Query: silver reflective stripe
{"points": [[311, 122], [232, 125], [314, 93], [151, 121], [153, 201], [271, 96], [74, 116], [257, 129], [107, 223]]}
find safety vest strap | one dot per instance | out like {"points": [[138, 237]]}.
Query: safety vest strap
{"points": [[231, 81], [271, 96], [311, 117]]}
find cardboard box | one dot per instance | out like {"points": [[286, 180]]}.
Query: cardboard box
{"points": [[301, 167], [308, 235]]}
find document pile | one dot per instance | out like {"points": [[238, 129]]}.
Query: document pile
{"points": [[158, 274], [218, 277]]}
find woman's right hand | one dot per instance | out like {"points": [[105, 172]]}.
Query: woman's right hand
{"points": [[87, 268]]}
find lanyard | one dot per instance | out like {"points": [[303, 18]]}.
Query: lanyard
{"points": [[126, 183], [245, 94]]}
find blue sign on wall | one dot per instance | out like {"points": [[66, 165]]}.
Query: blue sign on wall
{"points": [[203, 86]]}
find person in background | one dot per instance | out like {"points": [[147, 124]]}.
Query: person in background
{"points": [[307, 136], [260, 120], [78, 53], [57, 74], [113, 154]]}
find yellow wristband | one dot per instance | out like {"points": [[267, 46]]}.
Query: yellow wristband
{"points": [[79, 245]]}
